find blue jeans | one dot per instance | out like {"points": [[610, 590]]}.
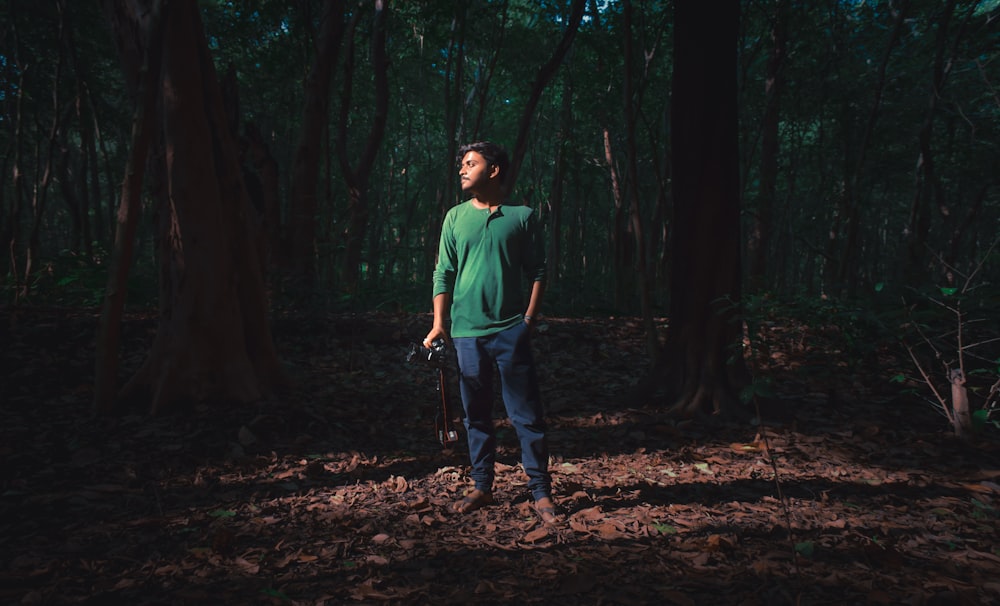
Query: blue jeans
{"points": [[510, 350]]}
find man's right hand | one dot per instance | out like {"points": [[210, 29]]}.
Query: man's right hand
{"points": [[436, 333], [442, 303]]}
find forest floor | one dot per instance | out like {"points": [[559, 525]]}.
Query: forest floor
{"points": [[339, 493]]}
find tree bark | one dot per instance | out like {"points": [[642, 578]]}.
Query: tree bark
{"points": [[41, 190], [545, 74], [761, 221], [841, 259], [564, 140], [358, 176], [642, 270], [266, 169], [703, 366], [454, 68], [928, 191], [305, 170], [213, 342], [621, 244], [13, 236], [112, 309]]}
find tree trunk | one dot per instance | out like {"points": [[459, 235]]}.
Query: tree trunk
{"points": [[641, 268], [453, 78], [266, 169], [305, 170], [703, 366], [761, 222], [564, 139], [928, 192], [68, 187], [621, 244], [213, 340], [109, 329], [13, 236], [41, 190], [545, 74], [358, 177], [840, 274], [483, 75], [85, 123]]}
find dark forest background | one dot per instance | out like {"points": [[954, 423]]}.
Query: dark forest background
{"points": [[770, 346], [868, 188]]}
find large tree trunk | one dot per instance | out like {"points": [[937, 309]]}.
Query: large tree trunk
{"points": [[702, 363], [214, 340]]}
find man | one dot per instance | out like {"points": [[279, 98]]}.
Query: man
{"points": [[485, 249]]}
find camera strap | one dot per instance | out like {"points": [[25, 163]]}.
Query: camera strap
{"points": [[443, 422]]}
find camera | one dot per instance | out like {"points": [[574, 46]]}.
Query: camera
{"points": [[435, 355]]}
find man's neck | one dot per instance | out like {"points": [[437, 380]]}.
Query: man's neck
{"points": [[487, 199]]}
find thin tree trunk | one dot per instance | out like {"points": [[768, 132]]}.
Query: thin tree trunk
{"points": [[266, 169], [68, 188], [85, 124], [621, 244], [484, 75], [564, 139], [17, 183], [928, 191], [545, 74], [5, 231], [40, 194], [305, 170], [842, 275], [761, 222], [357, 177], [454, 70], [109, 329], [638, 231]]}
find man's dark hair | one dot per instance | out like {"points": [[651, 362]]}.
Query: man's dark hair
{"points": [[494, 154]]}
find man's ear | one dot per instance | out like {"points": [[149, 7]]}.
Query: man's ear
{"points": [[494, 171]]}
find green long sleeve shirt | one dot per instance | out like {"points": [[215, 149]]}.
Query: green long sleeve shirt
{"points": [[482, 258]]}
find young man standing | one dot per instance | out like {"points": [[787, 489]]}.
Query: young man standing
{"points": [[485, 249]]}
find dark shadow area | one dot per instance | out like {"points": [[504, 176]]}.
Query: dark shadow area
{"points": [[338, 491]]}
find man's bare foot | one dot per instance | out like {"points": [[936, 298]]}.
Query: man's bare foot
{"points": [[476, 499], [546, 510]]}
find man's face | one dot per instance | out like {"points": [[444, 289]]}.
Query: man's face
{"points": [[474, 172]]}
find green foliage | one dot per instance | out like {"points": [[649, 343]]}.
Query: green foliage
{"points": [[76, 280], [845, 201]]}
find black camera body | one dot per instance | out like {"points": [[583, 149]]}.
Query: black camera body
{"points": [[434, 356]]}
